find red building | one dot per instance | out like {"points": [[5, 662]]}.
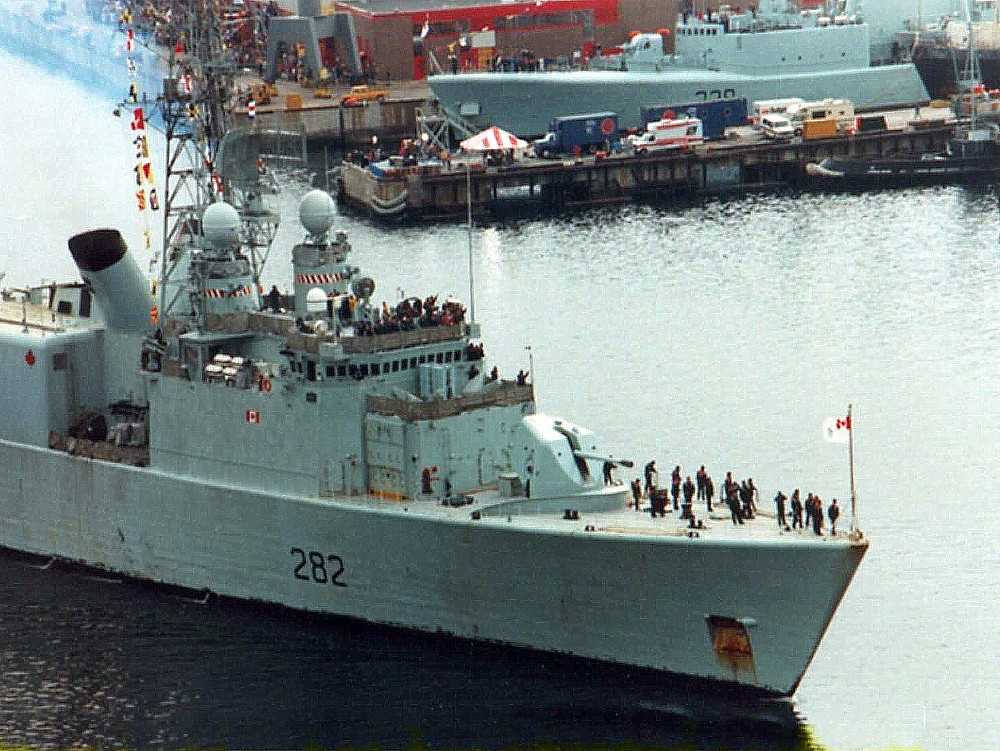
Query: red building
{"points": [[407, 44]]}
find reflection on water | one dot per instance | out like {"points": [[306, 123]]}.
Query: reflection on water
{"points": [[105, 665]]}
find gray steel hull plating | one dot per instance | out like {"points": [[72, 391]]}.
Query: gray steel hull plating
{"points": [[622, 598], [525, 103]]}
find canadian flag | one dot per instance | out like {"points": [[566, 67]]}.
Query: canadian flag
{"points": [[837, 429], [252, 416]]}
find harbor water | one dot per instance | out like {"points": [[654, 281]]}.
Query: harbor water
{"points": [[721, 333]]}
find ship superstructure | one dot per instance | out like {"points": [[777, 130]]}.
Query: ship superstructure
{"points": [[770, 53], [331, 453]]}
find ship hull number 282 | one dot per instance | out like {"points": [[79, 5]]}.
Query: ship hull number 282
{"points": [[319, 568]]}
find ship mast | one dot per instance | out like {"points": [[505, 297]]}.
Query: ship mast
{"points": [[194, 114], [203, 160]]}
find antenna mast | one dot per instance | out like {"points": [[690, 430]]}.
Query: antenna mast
{"points": [[197, 98]]}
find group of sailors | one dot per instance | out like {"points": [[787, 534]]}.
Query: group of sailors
{"points": [[813, 508], [742, 498], [411, 313]]}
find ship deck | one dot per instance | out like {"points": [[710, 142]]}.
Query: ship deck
{"points": [[625, 521]]}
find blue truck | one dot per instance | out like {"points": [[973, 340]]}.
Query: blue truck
{"points": [[715, 115], [589, 132]]}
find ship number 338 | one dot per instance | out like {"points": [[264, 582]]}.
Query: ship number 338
{"points": [[313, 566]]}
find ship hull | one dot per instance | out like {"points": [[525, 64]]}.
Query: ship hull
{"points": [[640, 600], [937, 68], [525, 103]]}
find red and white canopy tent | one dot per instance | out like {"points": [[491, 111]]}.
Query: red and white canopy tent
{"points": [[493, 139]]}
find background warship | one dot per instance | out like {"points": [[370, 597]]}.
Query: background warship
{"points": [[771, 53]]}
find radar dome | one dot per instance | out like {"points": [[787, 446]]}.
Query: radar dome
{"points": [[316, 212], [315, 300], [220, 225]]}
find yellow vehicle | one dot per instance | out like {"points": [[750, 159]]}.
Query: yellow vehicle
{"points": [[358, 95]]}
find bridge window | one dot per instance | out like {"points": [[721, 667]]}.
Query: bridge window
{"points": [[375, 368], [342, 370], [331, 371]]}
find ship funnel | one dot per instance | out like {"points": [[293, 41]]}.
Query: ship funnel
{"points": [[112, 273]]}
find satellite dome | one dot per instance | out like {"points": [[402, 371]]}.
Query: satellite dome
{"points": [[315, 300], [220, 224], [316, 212]]}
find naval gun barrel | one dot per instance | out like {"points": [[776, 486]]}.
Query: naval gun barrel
{"points": [[600, 458], [111, 272]]}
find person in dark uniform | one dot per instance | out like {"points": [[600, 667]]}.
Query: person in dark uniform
{"points": [[817, 515], [272, 299], [727, 486], [733, 499], [796, 510], [650, 472], [699, 480], [608, 466], [834, 513], [734, 506], [636, 492], [657, 502], [709, 491], [779, 502], [675, 485], [746, 500], [688, 489], [809, 510]]}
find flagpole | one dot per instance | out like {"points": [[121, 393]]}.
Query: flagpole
{"points": [[850, 451], [468, 202]]}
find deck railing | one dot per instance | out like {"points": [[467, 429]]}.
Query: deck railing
{"points": [[505, 394]]}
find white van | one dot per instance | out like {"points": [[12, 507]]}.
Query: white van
{"points": [[668, 134], [777, 127], [763, 107], [841, 110]]}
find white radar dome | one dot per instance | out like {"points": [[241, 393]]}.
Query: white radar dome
{"points": [[317, 212], [220, 225], [315, 300]]}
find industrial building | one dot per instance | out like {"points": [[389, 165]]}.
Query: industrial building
{"points": [[409, 39]]}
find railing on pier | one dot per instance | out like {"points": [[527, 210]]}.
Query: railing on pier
{"points": [[504, 394]]}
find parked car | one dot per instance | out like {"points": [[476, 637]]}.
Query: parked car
{"points": [[358, 95], [777, 127]]}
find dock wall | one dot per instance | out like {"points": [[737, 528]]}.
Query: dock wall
{"points": [[436, 191]]}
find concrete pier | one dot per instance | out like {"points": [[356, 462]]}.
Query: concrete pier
{"points": [[744, 163]]}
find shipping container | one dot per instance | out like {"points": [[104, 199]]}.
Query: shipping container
{"points": [[715, 116]]}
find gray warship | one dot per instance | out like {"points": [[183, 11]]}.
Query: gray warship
{"points": [[771, 53], [326, 453]]}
